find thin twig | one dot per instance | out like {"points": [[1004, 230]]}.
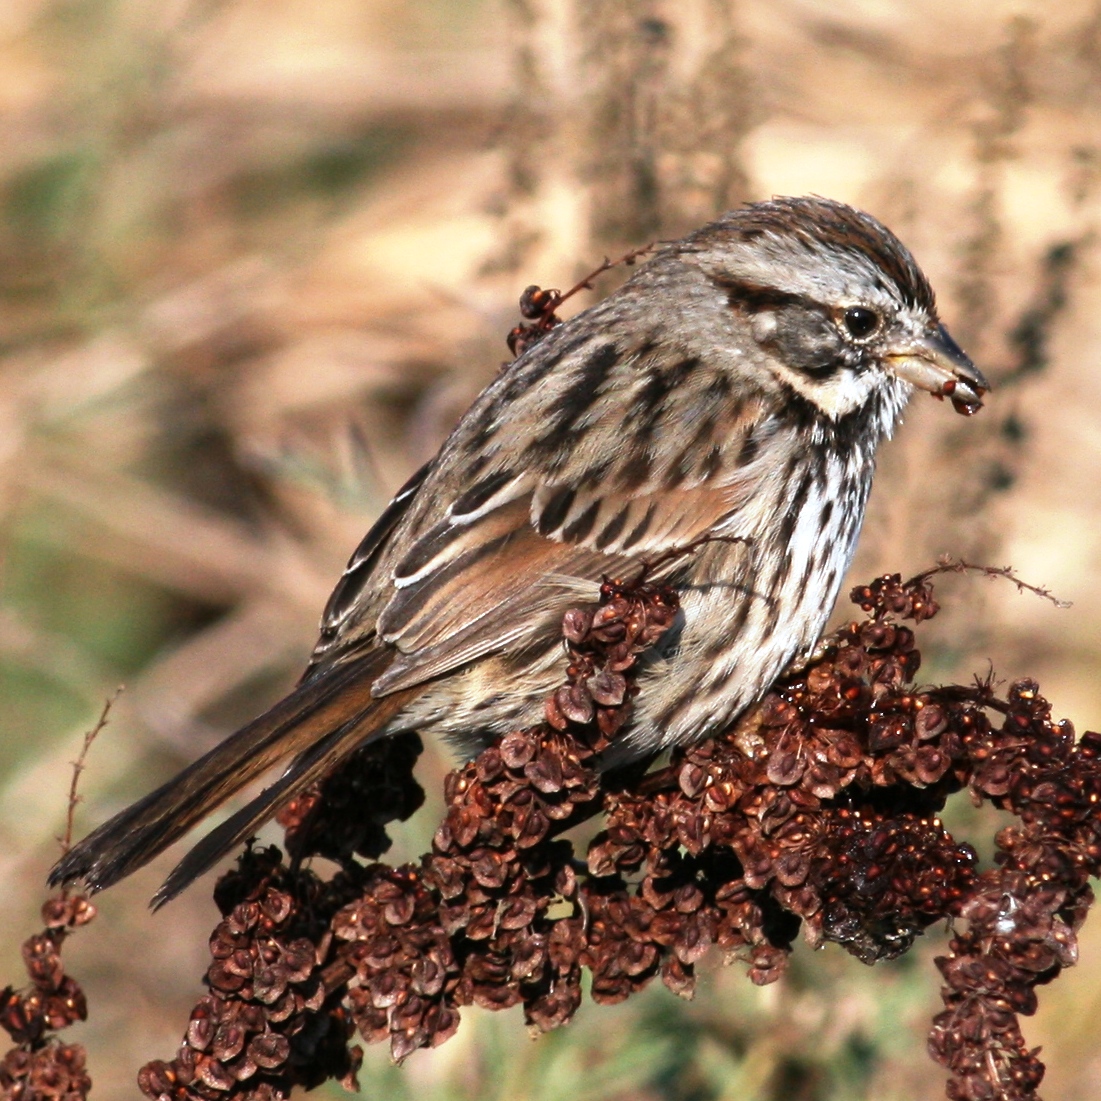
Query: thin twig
{"points": [[947, 564], [649, 566], [539, 305], [586, 284], [78, 767]]}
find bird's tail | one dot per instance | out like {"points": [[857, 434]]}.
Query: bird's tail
{"points": [[320, 722]]}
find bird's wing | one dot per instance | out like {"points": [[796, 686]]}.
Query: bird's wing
{"points": [[358, 574], [513, 550]]}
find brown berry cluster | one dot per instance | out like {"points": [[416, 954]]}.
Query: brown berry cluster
{"points": [[269, 1022], [40, 1067], [820, 806], [1021, 917], [604, 644], [819, 812], [538, 306], [408, 946], [472, 928], [889, 595], [346, 814], [401, 962]]}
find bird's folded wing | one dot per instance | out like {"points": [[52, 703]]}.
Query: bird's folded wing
{"points": [[612, 460], [472, 586]]}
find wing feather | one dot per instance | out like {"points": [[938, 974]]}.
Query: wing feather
{"points": [[357, 573], [625, 460], [510, 584]]}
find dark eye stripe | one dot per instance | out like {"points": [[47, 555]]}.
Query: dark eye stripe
{"points": [[821, 371], [752, 297]]}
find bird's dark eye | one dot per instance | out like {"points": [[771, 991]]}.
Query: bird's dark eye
{"points": [[860, 321]]}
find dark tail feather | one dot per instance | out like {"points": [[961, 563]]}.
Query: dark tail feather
{"points": [[303, 722], [313, 764]]}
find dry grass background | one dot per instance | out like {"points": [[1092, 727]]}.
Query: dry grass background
{"points": [[257, 255]]}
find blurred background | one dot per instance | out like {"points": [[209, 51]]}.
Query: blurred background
{"points": [[256, 256]]}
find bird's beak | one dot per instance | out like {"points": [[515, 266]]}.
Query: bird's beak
{"points": [[936, 363]]}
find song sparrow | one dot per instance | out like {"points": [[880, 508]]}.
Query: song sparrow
{"points": [[736, 388]]}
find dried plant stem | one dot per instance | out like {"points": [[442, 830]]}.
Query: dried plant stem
{"points": [[40, 1066], [79, 766], [947, 564], [540, 305]]}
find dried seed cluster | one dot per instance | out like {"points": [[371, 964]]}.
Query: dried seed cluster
{"points": [[269, 1022], [404, 970], [40, 1067], [472, 926], [1021, 917], [603, 646], [793, 815], [346, 814], [819, 811], [468, 926], [539, 306]]}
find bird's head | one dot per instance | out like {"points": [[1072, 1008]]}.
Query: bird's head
{"points": [[837, 304]]}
